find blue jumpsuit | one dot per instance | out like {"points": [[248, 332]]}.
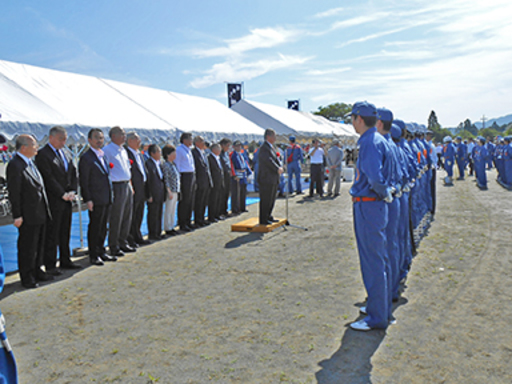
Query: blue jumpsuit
{"points": [[395, 179], [490, 152], [370, 221], [8, 369], [499, 162], [507, 166], [449, 157], [462, 152], [295, 156], [481, 158], [412, 170]]}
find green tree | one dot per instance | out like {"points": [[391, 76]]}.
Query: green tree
{"points": [[434, 126], [334, 112], [486, 132], [508, 130]]}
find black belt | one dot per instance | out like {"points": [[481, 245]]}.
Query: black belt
{"points": [[120, 182]]}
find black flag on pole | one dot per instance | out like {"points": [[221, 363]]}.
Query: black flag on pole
{"points": [[234, 93], [293, 104]]}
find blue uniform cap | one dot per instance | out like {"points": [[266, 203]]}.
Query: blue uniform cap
{"points": [[410, 127], [400, 124], [363, 108], [384, 114], [292, 139], [458, 138], [396, 132], [507, 138]]}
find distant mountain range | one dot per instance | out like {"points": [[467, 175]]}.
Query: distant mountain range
{"points": [[500, 121]]}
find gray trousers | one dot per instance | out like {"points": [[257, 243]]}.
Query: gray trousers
{"points": [[120, 216], [334, 177]]}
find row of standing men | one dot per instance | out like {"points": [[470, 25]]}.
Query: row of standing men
{"points": [[394, 203], [116, 182]]}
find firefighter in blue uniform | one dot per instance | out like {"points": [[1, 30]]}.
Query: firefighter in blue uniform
{"points": [[498, 159], [294, 157], [507, 162], [412, 170], [371, 194], [481, 158], [490, 151], [8, 370], [405, 255], [393, 174], [449, 158], [460, 156]]}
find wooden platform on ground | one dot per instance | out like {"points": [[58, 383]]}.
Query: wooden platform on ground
{"points": [[252, 225]]}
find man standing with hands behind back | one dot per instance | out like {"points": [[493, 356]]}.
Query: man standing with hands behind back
{"points": [[30, 210], [59, 175], [268, 176]]}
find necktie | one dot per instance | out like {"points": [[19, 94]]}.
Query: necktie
{"points": [[63, 159], [34, 170]]}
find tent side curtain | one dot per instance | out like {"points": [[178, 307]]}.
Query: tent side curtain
{"points": [[77, 134]]}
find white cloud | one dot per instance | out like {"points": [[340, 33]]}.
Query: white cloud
{"points": [[236, 70], [329, 13], [323, 72], [258, 38]]}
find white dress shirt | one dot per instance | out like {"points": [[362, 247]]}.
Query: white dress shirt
{"points": [[184, 159], [318, 156], [117, 155]]}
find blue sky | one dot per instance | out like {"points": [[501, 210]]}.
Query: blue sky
{"points": [[410, 56]]}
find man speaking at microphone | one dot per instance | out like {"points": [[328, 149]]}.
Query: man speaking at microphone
{"points": [[268, 176]]}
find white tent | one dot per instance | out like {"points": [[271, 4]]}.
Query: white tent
{"points": [[33, 99], [291, 122], [199, 115]]}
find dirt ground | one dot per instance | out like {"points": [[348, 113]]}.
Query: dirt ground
{"points": [[218, 306]]}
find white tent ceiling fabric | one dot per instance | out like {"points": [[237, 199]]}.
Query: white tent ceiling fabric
{"points": [[33, 99], [291, 122]]}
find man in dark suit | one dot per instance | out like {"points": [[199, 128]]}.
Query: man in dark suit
{"points": [[30, 211], [215, 198], [59, 175], [140, 188], [268, 176], [156, 192], [96, 188], [203, 181], [225, 144]]}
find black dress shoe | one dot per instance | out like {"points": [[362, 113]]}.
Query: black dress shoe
{"points": [[185, 229], [245, 210], [43, 276], [96, 260], [106, 257], [70, 265], [213, 221], [172, 232], [54, 272], [193, 226], [144, 242], [221, 218], [134, 245], [30, 284], [128, 249], [116, 253], [274, 221]]}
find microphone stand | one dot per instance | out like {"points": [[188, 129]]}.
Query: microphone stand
{"points": [[288, 224]]}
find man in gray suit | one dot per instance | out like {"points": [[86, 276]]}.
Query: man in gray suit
{"points": [[334, 159]]}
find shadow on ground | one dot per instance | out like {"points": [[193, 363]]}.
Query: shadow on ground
{"points": [[242, 240]]}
